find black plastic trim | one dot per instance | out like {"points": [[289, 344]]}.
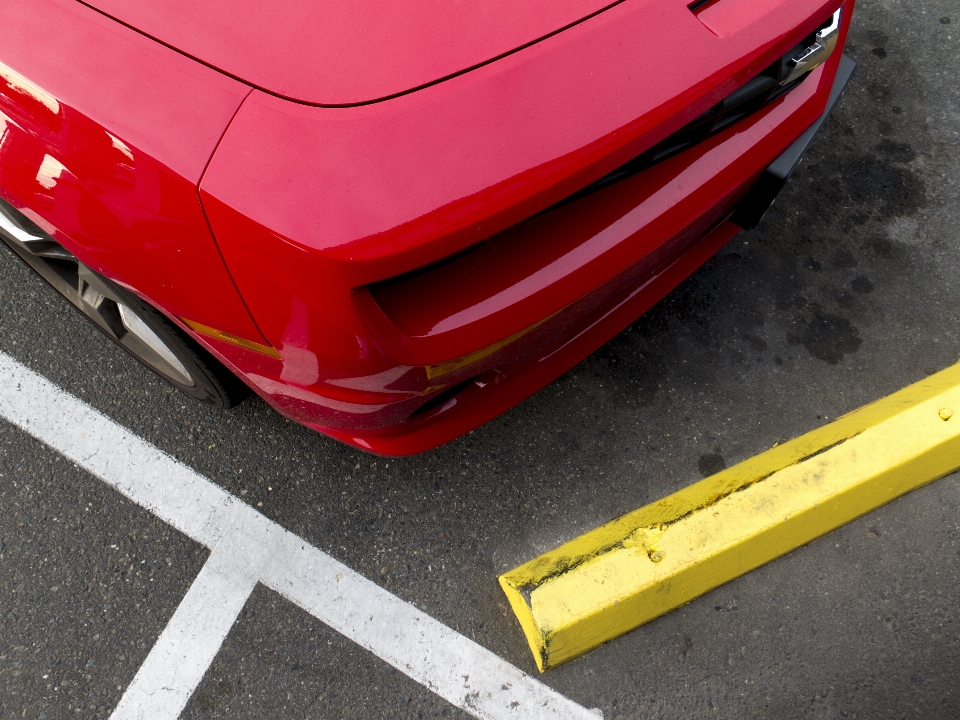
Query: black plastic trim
{"points": [[750, 209]]}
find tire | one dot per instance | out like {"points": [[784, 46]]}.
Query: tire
{"points": [[134, 325], [210, 381]]}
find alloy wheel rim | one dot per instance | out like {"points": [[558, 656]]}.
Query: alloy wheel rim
{"points": [[88, 292]]}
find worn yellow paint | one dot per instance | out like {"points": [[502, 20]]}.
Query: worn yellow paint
{"points": [[232, 339], [652, 560]]}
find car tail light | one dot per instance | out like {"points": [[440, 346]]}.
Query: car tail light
{"points": [[774, 82]]}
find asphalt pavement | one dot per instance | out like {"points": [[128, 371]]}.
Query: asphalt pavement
{"points": [[847, 292]]}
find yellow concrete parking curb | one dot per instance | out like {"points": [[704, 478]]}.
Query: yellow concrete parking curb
{"points": [[650, 561]]}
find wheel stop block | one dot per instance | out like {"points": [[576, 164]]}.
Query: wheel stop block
{"points": [[645, 563]]}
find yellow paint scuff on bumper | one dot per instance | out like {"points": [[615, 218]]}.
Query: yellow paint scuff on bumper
{"points": [[652, 560]]}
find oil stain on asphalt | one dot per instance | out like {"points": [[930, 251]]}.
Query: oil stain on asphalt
{"points": [[826, 336]]}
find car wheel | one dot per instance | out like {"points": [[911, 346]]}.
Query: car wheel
{"points": [[130, 322]]}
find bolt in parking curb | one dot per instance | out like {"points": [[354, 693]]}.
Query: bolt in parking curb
{"points": [[659, 557]]}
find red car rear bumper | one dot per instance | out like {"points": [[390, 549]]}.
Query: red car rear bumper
{"points": [[508, 372], [412, 261]]}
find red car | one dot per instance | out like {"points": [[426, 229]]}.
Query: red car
{"points": [[393, 221]]}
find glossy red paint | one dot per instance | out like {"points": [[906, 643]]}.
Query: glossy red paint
{"points": [[105, 137], [315, 207], [343, 52], [407, 258]]}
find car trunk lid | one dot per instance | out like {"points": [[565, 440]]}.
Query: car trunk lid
{"points": [[345, 52]]}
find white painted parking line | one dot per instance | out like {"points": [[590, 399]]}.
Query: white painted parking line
{"points": [[192, 638], [454, 667]]}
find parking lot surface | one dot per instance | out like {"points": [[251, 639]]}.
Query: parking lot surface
{"points": [[846, 293]]}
